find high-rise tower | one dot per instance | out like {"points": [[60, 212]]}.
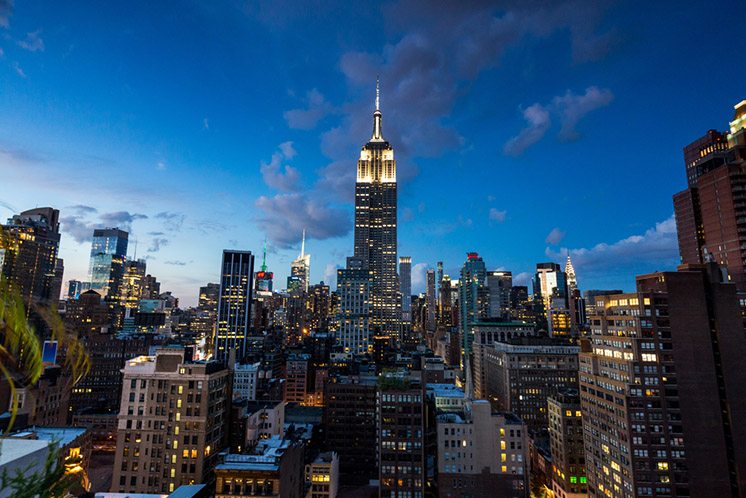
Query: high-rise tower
{"points": [[375, 227], [234, 305]]}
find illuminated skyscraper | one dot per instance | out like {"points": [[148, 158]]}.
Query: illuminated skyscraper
{"points": [[300, 268], [375, 228], [29, 259], [108, 254], [234, 305]]}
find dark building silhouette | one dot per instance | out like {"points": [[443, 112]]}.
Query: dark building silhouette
{"points": [[234, 306]]}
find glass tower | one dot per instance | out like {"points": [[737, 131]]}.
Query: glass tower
{"points": [[108, 255]]}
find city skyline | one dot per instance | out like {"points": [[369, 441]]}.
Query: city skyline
{"points": [[182, 143]]}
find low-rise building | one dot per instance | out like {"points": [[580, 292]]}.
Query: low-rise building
{"points": [[322, 476], [481, 453]]}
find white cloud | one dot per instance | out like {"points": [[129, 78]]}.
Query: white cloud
{"points": [[657, 245], [32, 42], [497, 215], [555, 236], [419, 277], [279, 176], [569, 108], [306, 119]]}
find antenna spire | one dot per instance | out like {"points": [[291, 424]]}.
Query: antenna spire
{"points": [[264, 256], [303, 244], [378, 94]]}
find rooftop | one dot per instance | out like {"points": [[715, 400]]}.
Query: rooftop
{"points": [[445, 390], [61, 435]]}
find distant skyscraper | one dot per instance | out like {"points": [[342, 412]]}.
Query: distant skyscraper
{"points": [[74, 289], [234, 305], [29, 262], [405, 286], [131, 293], [710, 211], [499, 284], [264, 278], [375, 227], [301, 268], [551, 293], [353, 288], [431, 300], [473, 297], [108, 254]]}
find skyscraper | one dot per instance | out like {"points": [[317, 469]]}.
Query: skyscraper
{"points": [[431, 299], [234, 305], [710, 212], [29, 259], [353, 288], [108, 254], [375, 227], [405, 287], [473, 298], [661, 386], [300, 268]]}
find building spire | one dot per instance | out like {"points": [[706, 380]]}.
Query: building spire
{"points": [[377, 133], [378, 94], [303, 244], [264, 256]]}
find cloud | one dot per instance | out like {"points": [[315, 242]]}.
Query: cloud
{"points": [[171, 221], [175, 263], [83, 209], [569, 108], [161, 166], [81, 228], [522, 278], [572, 108], [555, 236], [538, 122], [32, 42], [498, 216], [277, 176], [121, 219], [419, 276], [656, 246], [6, 10], [284, 216], [330, 275], [308, 118], [205, 124], [157, 244], [19, 70], [75, 226]]}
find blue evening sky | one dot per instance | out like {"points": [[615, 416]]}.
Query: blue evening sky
{"points": [[522, 129]]}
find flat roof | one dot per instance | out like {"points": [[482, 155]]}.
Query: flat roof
{"points": [[16, 448]]}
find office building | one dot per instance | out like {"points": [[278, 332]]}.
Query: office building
{"points": [[481, 453], [300, 269], [351, 426], [172, 422], [430, 300], [108, 255], [709, 212], [318, 307], [407, 438], [353, 319], [499, 284], [405, 288], [661, 385], [522, 373], [376, 228], [132, 281], [29, 262], [566, 445], [473, 300], [234, 305]]}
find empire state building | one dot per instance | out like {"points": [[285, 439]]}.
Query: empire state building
{"points": [[375, 228]]}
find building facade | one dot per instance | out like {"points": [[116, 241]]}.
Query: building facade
{"points": [[234, 306], [172, 422]]}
